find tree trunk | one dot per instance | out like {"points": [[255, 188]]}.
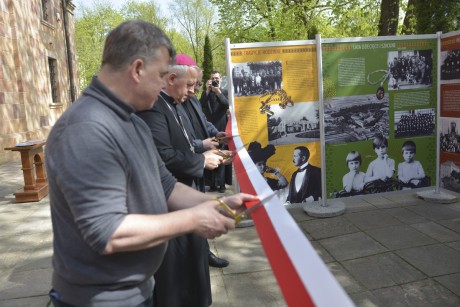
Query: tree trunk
{"points": [[409, 19], [389, 16]]}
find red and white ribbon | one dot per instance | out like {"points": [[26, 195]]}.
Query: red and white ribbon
{"points": [[302, 276]]}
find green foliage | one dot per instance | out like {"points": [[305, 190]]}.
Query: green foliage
{"points": [[92, 24], [196, 30], [351, 19], [91, 28], [181, 44], [147, 11], [408, 25], [261, 20], [194, 20], [437, 15]]}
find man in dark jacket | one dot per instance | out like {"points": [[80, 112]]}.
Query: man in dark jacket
{"points": [[183, 278], [305, 185], [215, 106], [204, 138]]}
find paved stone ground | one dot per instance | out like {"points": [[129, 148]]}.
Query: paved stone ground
{"points": [[386, 250]]}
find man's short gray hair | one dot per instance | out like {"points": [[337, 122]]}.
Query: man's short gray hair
{"points": [[179, 70], [134, 39]]}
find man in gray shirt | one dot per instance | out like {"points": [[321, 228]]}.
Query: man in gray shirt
{"points": [[114, 205]]}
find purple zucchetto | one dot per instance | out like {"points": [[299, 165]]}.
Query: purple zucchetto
{"points": [[183, 59]]}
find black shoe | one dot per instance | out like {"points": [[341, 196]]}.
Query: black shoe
{"points": [[217, 262], [212, 188], [222, 189]]}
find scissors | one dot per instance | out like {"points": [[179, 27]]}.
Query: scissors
{"points": [[227, 156], [223, 139], [246, 213], [224, 154]]}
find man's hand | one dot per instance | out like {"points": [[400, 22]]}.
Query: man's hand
{"points": [[210, 143], [222, 138], [227, 155], [211, 159], [208, 86], [215, 89], [235, 203], [210, 222]]}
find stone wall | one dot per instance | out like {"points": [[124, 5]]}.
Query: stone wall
{"points": [[27, 43]]}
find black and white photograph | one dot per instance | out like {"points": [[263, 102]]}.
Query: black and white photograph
{"points": [[410, 69], [450, 176], [413, 123], [256, 78], [293, 124], [450, 65], [450, 139], [356, 118]]}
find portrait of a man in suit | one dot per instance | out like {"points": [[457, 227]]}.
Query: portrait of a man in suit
{"points": [[305, 185]]}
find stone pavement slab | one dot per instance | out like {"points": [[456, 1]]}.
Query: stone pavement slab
{"points": [[451, 282], [352, 246], [401, 197], [406, 216], [382, 270], [372, 219], [323, 253], [243, 249], [425, 293], [398, 237], [329, 227], [359, 205], [248, 280], [453, 224], [437, 211], [33, 301], [365, 299], [438, 232], [454, 245], [433, 260], [345, 279], [252, 289]]}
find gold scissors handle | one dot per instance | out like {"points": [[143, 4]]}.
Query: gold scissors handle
{"points": [[223, 139], [226, 210], [225, 155]]}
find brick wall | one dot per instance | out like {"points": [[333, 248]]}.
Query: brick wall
{"points": [[27, 109]]}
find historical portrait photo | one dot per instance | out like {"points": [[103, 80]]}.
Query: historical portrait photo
{"points": [[450, 65]]}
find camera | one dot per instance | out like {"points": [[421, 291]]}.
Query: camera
{"points": [[215, 83]]}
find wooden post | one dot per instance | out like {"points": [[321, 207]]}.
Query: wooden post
{"points": [[33, 169]]}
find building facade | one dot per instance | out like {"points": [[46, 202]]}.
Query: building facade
{"points": [[38, 75]]}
